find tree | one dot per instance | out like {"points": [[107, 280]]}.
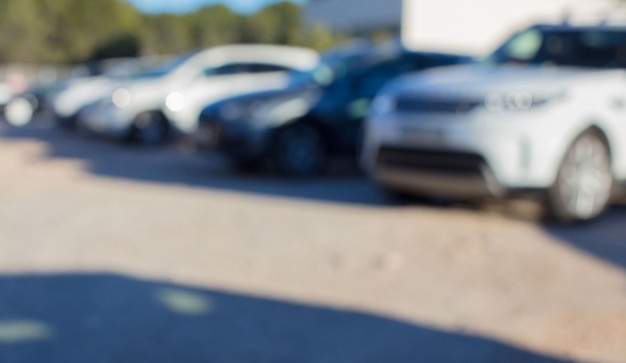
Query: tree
{"points": [[66, 31]]}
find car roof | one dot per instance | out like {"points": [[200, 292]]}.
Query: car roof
{"points": [[290, 56]]}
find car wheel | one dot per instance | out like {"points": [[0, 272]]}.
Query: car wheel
{"points": [[150, 128], [301, 150], [246, 165], [396, 196], [584, 182], [80, 126], [64, 123]]}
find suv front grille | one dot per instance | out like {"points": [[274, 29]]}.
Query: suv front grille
{"points": [[427, 104], [430, 160]]}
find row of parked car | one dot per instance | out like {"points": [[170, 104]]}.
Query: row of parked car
{"points": [[544, 115]]}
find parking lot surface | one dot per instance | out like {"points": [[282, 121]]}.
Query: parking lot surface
{"points": [[113, 253]]}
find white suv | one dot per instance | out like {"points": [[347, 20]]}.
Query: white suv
{"points": [[546, 112]]}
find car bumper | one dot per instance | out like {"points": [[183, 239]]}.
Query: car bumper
{"points": [[436, 172], [469, 155], [105, 120], [237, 140]]}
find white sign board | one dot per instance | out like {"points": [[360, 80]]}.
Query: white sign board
{"points": [[476, 27]]}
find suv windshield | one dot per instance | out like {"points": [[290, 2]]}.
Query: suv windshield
{"points": [[585, 47]]}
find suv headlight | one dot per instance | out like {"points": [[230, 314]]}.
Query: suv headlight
{"points": [[383, 105], [518, 101]]}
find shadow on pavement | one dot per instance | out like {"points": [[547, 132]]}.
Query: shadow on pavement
{"points": [[78, 318], [604, 238], [177, 164]]}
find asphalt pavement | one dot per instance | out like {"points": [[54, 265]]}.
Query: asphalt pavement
{"points": [[115, 253]]}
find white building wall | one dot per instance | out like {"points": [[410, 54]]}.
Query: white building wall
{"points": [[467, 26], [477, 26]]}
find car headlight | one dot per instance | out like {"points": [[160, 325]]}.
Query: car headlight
{"points": [[121, 98], [518, 101], [383, 105], [175, 102]]}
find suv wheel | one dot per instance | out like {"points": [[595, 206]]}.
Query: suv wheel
{"points": [[584, 181], [301, 150]]}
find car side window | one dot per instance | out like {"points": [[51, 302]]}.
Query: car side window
{"points": [[239, 68], [227, 69], [262, 68]]}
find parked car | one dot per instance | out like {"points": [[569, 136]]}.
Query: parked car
{"points": [[6, 94], [20, 109], [543, 114], [319, 115], [182, 107], [74, 94], [18, 104], [134, 110]]}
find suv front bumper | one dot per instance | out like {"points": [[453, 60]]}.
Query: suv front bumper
{"points": [[435, 172], [467, 155]]}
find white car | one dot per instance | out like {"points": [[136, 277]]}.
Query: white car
{"points": [[545, 113], [6, 94], [77, 93], [147, 108], [183, 107]]}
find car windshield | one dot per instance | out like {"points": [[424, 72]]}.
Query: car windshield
{"points": [[166, 68], [332, 69], [131, 69], [590, 48]]}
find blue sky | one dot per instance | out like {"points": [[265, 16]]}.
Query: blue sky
{"points": [[184, 6]]}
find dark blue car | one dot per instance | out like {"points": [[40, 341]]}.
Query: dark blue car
{"points": [[298, 129]]}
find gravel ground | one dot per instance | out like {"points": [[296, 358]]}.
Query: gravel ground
{"points": [[110, 253]]}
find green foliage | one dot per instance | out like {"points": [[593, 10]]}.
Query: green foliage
{"points": [[278, 23], [65, 31], [126, 45], [212, 25]]}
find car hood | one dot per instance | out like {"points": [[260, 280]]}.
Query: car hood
{"points": [[80, 93], [287, 93], [269, 107], [482, 79]]}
